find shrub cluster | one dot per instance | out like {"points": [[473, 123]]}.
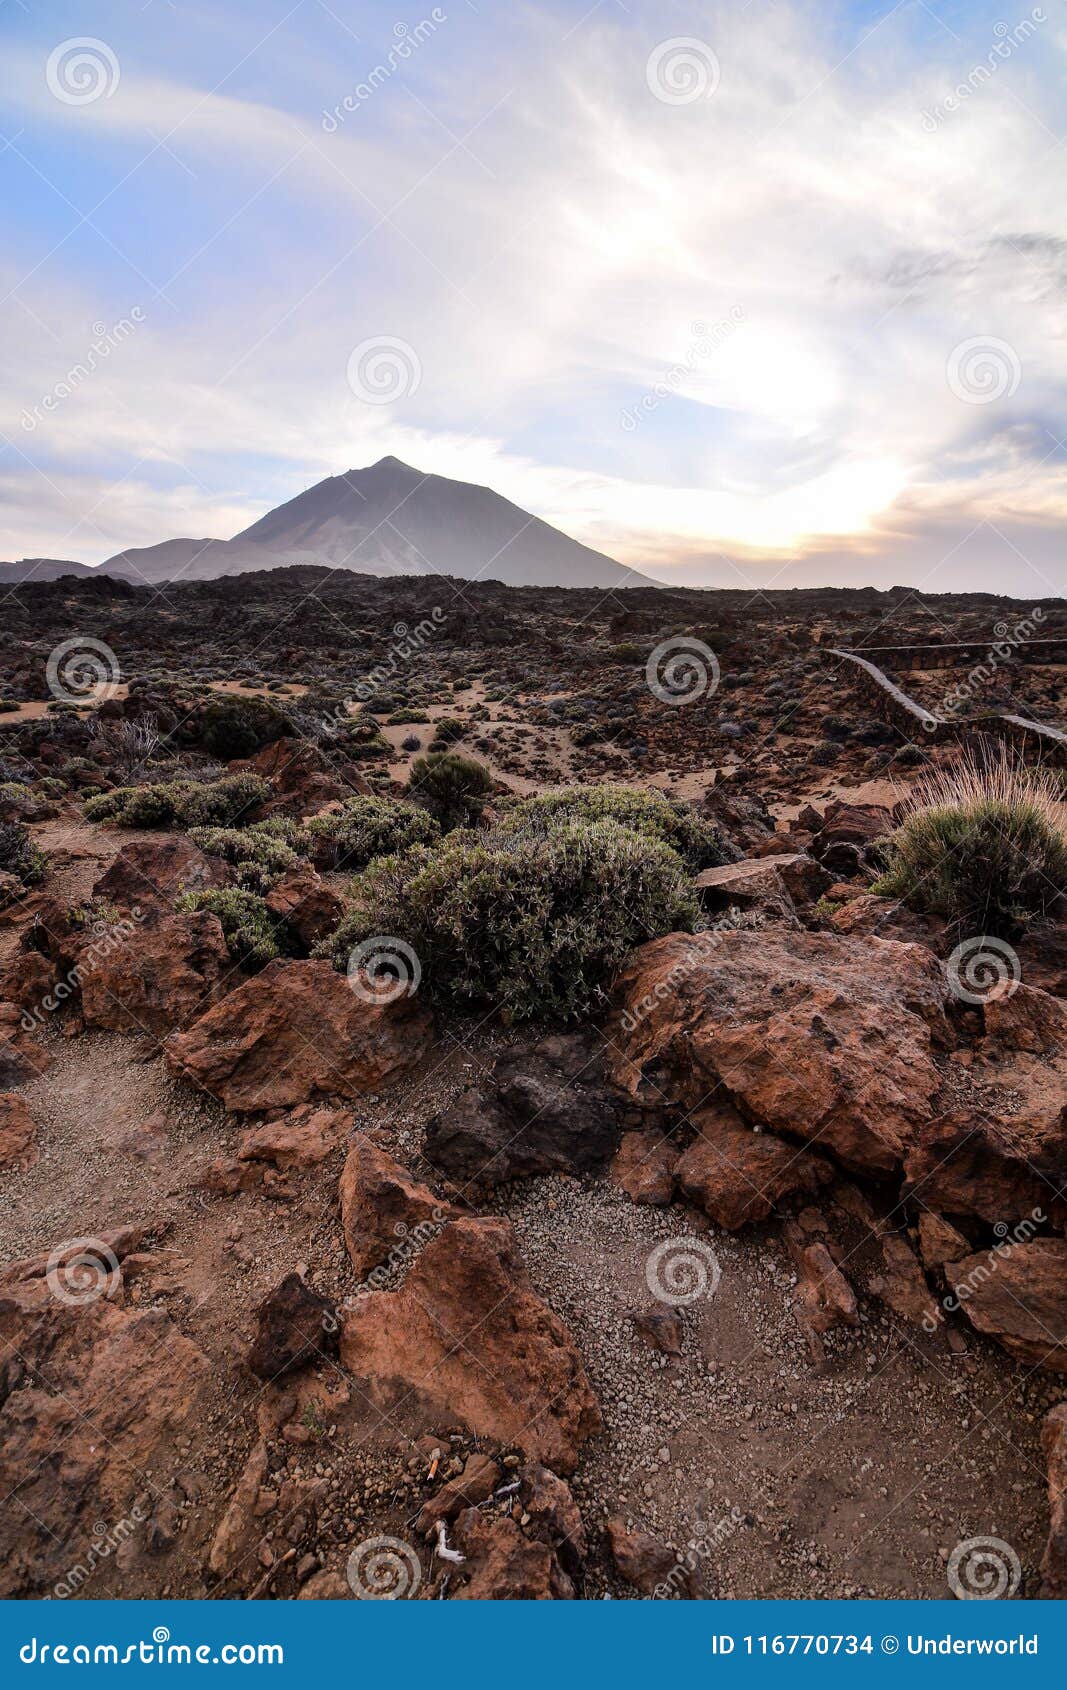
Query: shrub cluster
{"points": [[365, 828], [652, 814], [19, 855], [534, 924], [180, 803], [259, 858], [454, 787], [253, 936], [231, 726]]}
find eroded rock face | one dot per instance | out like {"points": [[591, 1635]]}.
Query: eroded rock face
{"points": [[468, 1338], [88, 1393], [828, 1040], [645, 1167], [296, 1032], [503, 1565], [152, 873], [21, 1057], [17, 1133], [158, 977], [381, 1205], [306, 904], [1017, 1294], [545, 1107], [737, 1176], [1054, 1562]]}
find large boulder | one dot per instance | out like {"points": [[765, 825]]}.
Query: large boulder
{"points": [[827, 1040], [738, 1176], [298, 1031], [1017, 1294], [153, 873], [156, 977], [467, 1339], [544, 1107]]}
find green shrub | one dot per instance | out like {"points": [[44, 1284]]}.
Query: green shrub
{"points": [[239, 727], [365, 828], [535, 926], [982, 845], [651, 814], [446, 732], [19, 855], [260, 859], [253, 936], [180, 803], [454, 787]]}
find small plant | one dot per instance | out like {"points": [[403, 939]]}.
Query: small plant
{"points": [[982, 843], [532, 926], [454, 787], [651, 814], [365, 828], [447, 731], [252, 935], [19, 855]]}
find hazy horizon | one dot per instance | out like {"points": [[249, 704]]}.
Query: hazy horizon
{"points": [[735, 306]]}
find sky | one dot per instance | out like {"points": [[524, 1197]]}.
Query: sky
{"points": [[768, 294]]}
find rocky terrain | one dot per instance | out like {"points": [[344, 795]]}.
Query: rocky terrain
{"points": [[731, 1264]]}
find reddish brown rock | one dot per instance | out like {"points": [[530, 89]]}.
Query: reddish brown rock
{"points": [[152, 873], [644, 1167], [501, 1565], [738, 1176], [299, 777], [901, 1285], [299, 1141], [383, 1208], [21, 1057], [1054, 1561], [1017, 1294], [476, 1483], [299, 1031], [89, 1392], [826, 1039], [660, 1326], [825, 1299], [295, 1327], [17, 1133], [302, 899], [650, 1566], [159, 977], [552, 1515], [467, 1337], [939, 1242], [971, 1163]]}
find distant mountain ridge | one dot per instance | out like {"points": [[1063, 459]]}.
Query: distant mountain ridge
{"points": [[386, 519]]}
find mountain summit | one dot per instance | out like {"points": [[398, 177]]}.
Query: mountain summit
{"points": [[390, 519]]}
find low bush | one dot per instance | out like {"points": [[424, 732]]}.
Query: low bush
{"points": [[180, 803], [983, 845], [231, 726], [365, 828], [454, 787], [19, 855], [532, 925], [651, 814], [259, 858], [253, 936]]}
